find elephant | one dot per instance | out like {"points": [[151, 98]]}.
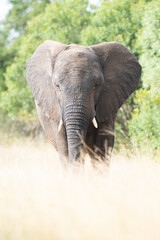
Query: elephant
{"points": [[78, 91]]}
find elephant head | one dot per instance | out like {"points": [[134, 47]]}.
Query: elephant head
{"points": [[75, 85]]}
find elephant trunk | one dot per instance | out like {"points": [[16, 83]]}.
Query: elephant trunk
{"points": [[76, 122]]}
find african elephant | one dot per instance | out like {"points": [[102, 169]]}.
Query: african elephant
{"points": [[75, 86]]}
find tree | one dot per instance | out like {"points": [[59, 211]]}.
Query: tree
{"points": [[11, 30], [22, 11], [145, 125]]}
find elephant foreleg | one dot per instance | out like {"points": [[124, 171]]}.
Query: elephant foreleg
{"points": [[105, 140], [58, 139]]}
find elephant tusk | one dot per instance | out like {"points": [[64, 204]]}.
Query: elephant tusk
{"points": [[95, 122], [60, 126]]}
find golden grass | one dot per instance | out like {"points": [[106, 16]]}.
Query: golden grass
{"points": [[40, 200]]}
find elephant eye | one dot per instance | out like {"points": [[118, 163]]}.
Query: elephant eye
{"points": [[58, 87], [96, 86]]}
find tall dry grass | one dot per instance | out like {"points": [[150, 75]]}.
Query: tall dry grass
{"points": [[40, 200]]}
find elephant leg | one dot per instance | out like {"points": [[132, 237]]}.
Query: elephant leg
{"points": [[105, 139], [91, 137], [61, 143], [50, 128]]}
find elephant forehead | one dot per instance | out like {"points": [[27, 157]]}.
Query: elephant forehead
{"points": [[77, 62]]}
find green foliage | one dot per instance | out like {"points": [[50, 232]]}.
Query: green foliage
{"points": [[11, 30], [145, 125], [117, 20], [22, 11]]}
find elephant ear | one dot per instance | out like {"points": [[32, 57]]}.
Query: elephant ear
{"points": [[121, 75], [39, 76]]}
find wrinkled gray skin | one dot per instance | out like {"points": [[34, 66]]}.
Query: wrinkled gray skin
{"points": [[75, 83]]}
